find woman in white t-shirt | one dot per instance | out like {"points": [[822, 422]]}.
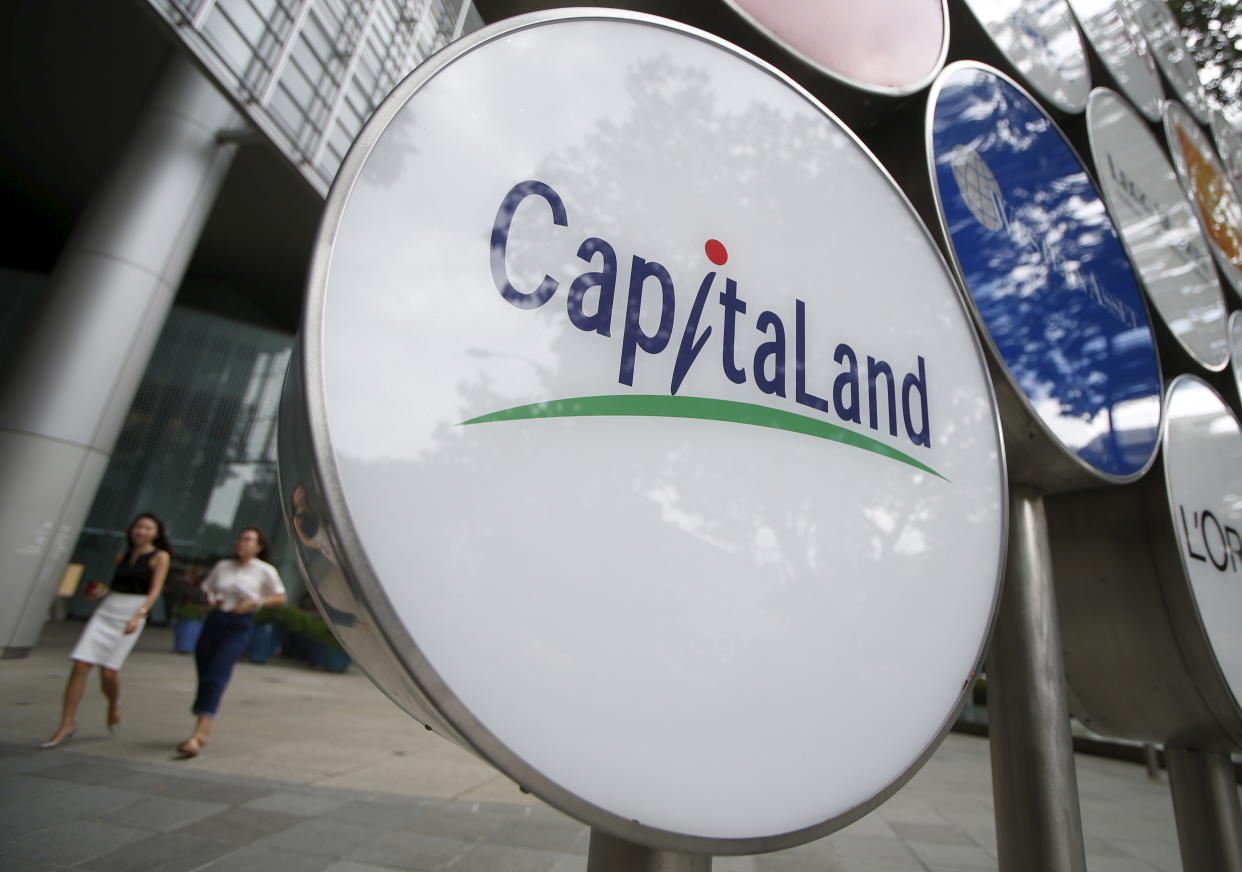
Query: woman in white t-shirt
{"points": [[235, 589]]}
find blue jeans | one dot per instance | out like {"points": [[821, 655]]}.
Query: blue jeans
{"points": [[221, 644]]}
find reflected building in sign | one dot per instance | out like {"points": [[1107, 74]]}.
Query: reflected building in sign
{"points": [[160, 223]]}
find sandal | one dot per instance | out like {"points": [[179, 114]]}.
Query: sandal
{"points": [[190, 748]]}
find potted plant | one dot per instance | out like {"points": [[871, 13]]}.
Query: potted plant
{"points": [[296, 626], [326, 651], [265, 637], [187, 624]]}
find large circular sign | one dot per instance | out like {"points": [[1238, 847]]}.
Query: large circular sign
{"points": [[1159, 228], [1159, 563], [1050, 283], [1208, 187], [1203, 474], [1040, 40], [649, 433], [1113, 30], [1164, 35]]}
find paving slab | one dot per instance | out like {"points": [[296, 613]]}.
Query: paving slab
{"points": [[316, 771]]}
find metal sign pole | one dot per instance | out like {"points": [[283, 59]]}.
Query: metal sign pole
{"points": [[1205, 804], [610, 854], [1038, 822]]}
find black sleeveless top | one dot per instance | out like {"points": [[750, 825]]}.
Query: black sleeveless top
{"points": [[135, 578]]}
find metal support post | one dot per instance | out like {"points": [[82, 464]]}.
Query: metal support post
{"points": [[610, 854], [1038, 822], [1205, 805], [1151, 758]]}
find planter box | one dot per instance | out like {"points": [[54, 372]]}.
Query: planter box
{"points": [[295, 646], [185, 635], [336, 659], [264, 640]]}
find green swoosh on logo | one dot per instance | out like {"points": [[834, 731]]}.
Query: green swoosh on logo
{"points": [[654, 405]]}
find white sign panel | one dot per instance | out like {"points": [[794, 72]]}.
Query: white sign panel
{"points": [[1203, 473], [1164, 35], [1235, 345], [1114, 30], [1158, 227], [654, 432], [1228, 141], [1040, 39]]}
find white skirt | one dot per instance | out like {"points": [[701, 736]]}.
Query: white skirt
{"points": [[104, 642]]}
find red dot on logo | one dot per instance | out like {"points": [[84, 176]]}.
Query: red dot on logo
{"points": [[716, 252]]}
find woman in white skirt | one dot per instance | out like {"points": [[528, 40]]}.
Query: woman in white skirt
{"points": [[114, 627]]}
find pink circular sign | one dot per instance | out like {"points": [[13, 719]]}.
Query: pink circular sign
{"points": [[898, 45]]}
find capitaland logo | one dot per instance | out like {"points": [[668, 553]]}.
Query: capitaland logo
{"points": [[751, 349]]}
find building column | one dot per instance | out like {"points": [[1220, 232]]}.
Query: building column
{"points": [[65, 399]]}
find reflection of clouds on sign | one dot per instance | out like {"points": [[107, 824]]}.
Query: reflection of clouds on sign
{"points": [[1034, 39], [979, 188]]}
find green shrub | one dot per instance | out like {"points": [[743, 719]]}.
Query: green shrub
{"points": [[270, 615], [293, 619], [320, 632], [979, 693], [190, 612]]}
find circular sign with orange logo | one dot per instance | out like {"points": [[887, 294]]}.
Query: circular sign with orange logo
{"points": [[1208, 187]]}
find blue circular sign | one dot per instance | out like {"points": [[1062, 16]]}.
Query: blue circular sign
{"points": [[1046, 273]]}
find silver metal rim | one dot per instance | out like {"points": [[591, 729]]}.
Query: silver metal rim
{"points": [[1093, 100], [985, 335], [858, 84], [353, 557]]}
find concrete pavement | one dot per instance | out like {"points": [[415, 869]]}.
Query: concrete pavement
{"points": [[313, 771]]}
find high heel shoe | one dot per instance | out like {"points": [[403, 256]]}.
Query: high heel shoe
{"points": [[56, 743]]}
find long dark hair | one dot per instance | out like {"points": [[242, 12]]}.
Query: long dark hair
{"points": [[160, 542], [262, 540]]}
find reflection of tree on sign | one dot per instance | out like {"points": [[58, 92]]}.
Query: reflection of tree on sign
{"points": [[672, 103], [1213, 32]]}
